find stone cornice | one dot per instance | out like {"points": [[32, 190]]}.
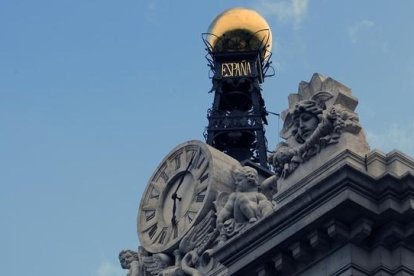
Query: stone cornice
{"points": [[329, 167], [395, 162], [375, 164]]}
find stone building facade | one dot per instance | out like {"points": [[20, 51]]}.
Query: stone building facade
{"points": [[328, 206]]}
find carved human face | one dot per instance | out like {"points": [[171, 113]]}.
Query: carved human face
{"points": [[245, 180], [240, 181], [229, 226], [126, 259], [307, 124]]}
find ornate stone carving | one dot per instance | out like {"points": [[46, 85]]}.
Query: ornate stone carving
{"points": [[229, 229], [143, 264], [318, 116], [245, 205], [158, 264], [283, 160], [133, 261], [196, 242], [233, 212]]}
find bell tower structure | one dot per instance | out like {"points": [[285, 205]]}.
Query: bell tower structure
{"points": [[238, 44]]}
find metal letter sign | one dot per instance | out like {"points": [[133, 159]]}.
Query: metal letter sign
{"points": [[236, 69]]}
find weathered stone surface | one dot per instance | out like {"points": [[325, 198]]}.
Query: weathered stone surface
{"points": [[328, 222], [300, 251], [318, 240], [345, 210], [336, 230], [319, 123], [283, 263], [341, 210], [361, 229], [395, 163]]}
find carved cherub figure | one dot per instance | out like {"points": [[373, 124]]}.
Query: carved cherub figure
{"points": [[246, 204], [129, 260]]}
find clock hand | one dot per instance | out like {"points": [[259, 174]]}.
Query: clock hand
{"points": [[174, 196], [173, 219], [183, 175]]}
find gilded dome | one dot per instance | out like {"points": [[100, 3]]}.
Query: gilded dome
{"points": [[240, 29]]}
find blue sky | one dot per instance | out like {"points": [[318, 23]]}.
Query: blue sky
{"points": [[93, 94]]}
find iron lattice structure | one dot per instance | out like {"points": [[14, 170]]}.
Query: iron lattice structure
{"points": [[239, 64]]}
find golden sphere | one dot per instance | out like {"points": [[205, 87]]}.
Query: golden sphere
{"points": [[243, 29]]}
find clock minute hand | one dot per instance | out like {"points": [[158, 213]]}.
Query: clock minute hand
{"points": [[174, 195], [183, 175]]}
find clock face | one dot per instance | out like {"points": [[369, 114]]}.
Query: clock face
{"points": [[175, 197]]}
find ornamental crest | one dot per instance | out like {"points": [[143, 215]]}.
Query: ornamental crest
{"points": [[318, 116]]}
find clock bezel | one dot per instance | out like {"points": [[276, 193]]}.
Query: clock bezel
{"points": [[148, 243]]}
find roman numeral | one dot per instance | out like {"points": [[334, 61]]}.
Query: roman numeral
{"points": [[154, 193], [201, 195], [204, 174], [150, 205], [149, 215], [152, 230], [176, 160], [190, 153], [158, 186], [200, 188], [162, 235], [197, 160], [200, 198], [203, 158], [190, 216], [164, 176]]}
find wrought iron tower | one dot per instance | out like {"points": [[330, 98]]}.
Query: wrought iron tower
{"points": [[238, 45]]}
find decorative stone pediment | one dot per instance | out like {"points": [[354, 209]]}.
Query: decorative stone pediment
{"points": [[320, 122]]}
